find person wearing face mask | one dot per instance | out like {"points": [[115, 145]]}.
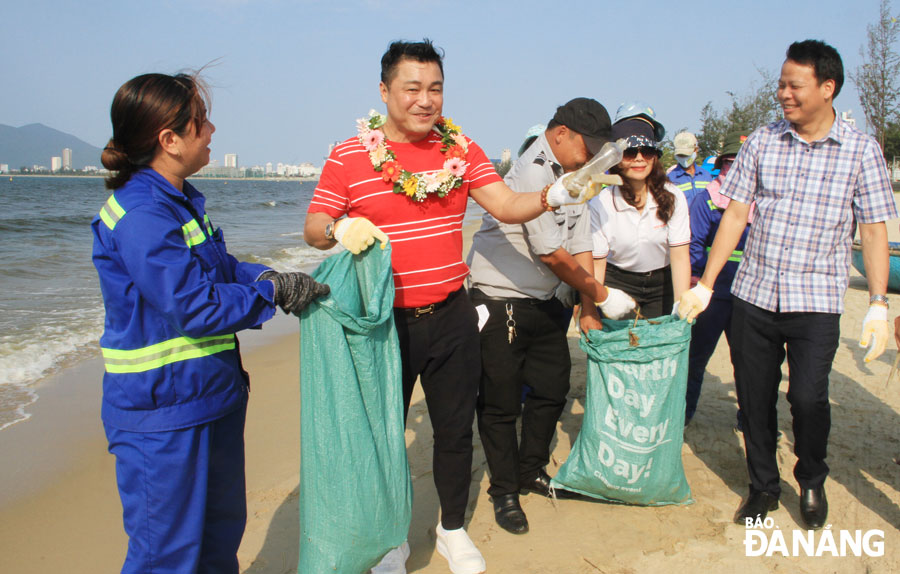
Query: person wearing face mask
{"points": [[706, 212], [687, 176]]}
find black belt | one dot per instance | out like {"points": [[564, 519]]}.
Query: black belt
{"points": [[476, 293], [653, 273], [416, 312]]}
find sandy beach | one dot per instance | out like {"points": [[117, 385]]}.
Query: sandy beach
{"points": [[60, 512]]}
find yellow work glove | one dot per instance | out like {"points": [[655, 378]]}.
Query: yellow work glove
{"points": [[694, 301], [356, 234], [874, 328]]}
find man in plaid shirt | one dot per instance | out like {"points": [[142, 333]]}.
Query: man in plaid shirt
{"points": [[813, 177]]}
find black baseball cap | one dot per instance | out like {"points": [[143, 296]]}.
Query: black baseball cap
{"points": [[637, 132], [589, 118]]}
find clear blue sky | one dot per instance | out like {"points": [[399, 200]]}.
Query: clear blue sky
{"points": [[292, 77]]}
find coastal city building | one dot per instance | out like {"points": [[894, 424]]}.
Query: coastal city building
{"points": [[55, 163], [231, 170], [67, 159]]}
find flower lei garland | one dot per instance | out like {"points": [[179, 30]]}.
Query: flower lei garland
{"points": [[416, 187]]}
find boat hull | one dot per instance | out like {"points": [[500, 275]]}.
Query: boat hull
{"points": [[856, 258]]}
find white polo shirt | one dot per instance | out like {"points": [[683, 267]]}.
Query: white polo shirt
{"points": [[633, 240]]}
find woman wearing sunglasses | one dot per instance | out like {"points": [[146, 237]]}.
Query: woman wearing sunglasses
{"points": [[641, 230]]}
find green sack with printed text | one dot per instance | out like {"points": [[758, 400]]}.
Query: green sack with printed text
{"points": [[629, 447], [355, 486]]}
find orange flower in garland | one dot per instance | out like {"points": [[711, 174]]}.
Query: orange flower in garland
{"points": [[390, 171], [439, 183], [455, 152]]}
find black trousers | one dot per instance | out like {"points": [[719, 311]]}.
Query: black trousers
{"points": [[443, 348], [760, 340], [651, 290], [537, 357]]}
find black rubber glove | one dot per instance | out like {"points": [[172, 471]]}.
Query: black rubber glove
{"points": [[294, 290]]}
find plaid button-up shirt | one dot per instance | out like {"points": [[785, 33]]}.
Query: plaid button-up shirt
{"points": [[809, 197]]}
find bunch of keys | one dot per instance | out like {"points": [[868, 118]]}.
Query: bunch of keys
{"points": [[510, 323]]}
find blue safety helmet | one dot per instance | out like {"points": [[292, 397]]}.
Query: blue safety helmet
{"points": [[531, 135], [636, 108], [709, 164]]}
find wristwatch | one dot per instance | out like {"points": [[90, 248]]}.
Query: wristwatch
{"points": [[329, 231], [882, 299]]}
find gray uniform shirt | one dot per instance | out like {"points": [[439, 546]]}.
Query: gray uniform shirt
{"points": [[504, 260]]}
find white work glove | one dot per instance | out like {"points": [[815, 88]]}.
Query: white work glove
{"points": [[874, 327], [358, 233], [693, 302], [617, 303], [558, 195]]}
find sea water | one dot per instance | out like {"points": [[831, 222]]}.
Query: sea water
{"points": [[51, 311]]}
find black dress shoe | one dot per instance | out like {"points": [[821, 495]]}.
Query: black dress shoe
{"points": [[509, 514], [813, 507], [541, 485], [757, 506]]}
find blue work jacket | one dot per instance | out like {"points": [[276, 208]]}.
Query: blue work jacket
{"points": [[174, 300], [705, 220], [690, 186]]}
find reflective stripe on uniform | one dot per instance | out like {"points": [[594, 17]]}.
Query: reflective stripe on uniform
{"points": [[167, 352], [111, 212], [193, 233], [735, 255], [697, 185]]}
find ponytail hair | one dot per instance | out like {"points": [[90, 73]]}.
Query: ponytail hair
{"points": [[142, 108]]}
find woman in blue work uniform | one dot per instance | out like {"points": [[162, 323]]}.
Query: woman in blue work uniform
{"points": [[174, 391]]}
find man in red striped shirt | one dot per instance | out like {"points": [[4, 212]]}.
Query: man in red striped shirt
{"points": [[393, 182]]}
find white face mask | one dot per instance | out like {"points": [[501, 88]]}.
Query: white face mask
{"points": [[686, 161]]}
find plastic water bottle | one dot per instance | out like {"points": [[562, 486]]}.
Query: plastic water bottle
{"points": [[608, 156]]}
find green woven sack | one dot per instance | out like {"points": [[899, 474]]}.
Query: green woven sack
{"points": [[355, 486], [629, 447]]}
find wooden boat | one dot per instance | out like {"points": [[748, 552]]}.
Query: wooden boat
{"points": [[856, 258]]}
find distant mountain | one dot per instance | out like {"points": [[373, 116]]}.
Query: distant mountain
{"points": [[35, 144]]}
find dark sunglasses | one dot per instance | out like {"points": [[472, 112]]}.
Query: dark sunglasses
{"points": [[646, 151]]}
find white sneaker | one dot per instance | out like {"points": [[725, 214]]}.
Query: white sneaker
{"points": [[460, 552], [394, 562]]}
